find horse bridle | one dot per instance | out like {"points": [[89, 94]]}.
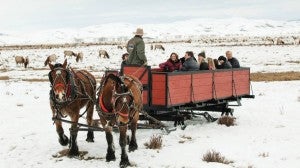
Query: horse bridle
{"points": [[129, 104], [58, 74]]}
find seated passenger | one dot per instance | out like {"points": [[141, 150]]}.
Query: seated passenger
{"points": [[224, 63], [202, 62], [211, 64], [172, 64], [190, 63], [233, 61], [124, 59], [216, 63]]}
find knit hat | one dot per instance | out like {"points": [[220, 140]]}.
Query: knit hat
{"points": [[222, 58], [202, 54]]}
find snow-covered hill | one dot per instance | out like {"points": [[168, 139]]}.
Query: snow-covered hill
{"points": [[181, 30]]}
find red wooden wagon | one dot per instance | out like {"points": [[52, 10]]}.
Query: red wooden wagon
{"points": [[177, 95]]}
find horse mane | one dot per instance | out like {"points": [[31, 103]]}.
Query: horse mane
{"points": [[117, 79]]}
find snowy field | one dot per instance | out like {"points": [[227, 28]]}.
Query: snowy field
{"points": [[267, 133], [259, 58]]}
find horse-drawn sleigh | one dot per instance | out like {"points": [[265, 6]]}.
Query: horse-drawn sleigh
{"points": [[139, 93]]}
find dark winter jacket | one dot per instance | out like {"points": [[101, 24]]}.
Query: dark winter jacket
{"points": [[136, 50], [170, 65], [234, 62], [225, 65], [190, 65], [203, 66], [122, 66]]}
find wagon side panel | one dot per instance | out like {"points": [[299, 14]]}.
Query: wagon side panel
{"points": [[159, 89], [222, 87], [241, 82], [202, 87], [143, 74], [178, 89]]}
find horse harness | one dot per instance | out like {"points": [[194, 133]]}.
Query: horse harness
{"points": [[72, 88], [118, 97]]}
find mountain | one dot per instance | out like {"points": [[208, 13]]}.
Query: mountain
{"points": [[189, 29]]}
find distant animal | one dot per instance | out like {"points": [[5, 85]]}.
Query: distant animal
{"points": [[159, 46], [71, 91], [120, 47], [103, 53], [50, 59], [22, 60], [79, 57], [151, 47], [69, 53], [280, 41], [120, 102]]}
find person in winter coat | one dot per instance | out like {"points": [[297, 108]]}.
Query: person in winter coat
{"points": [[124, 59], [202, 62], [172, 64], [190, 63], [224, 63], [233, 61], [136, 49]]}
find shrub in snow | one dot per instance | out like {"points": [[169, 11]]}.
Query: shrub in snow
{"points": [[227, 120], [213, 156], [154, 143]]}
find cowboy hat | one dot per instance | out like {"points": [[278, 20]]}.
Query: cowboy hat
{"points": [[139, 31]]}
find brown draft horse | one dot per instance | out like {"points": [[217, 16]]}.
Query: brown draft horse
{"points": [[119, 103], [71, 91]]}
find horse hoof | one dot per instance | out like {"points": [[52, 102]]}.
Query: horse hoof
{"points": [[64, 140], [90, 136], [90, 139], [132, 147], [73, 153], [110, 157], [124, 163]]}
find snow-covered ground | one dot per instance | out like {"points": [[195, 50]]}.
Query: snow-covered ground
{"points": [[259, 58], [266, 126]]}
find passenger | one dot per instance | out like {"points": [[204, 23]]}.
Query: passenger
{"points": [[216, 63], [124, 59], [211, 63], [224, 63], [172, 64], [233, 61], [190, 63], [136, 49], [182, 60], [202, 62]]}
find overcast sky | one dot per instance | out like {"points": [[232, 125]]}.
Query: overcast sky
{"points": [[26, 15]]}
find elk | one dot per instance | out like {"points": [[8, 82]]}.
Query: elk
{"points": [[69, 53], [22, 60], [50, 59], [103, 53]]}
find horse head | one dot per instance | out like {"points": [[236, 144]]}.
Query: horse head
{"points": [[59, 79], [120, 98]]}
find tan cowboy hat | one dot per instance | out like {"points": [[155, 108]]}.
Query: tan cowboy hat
{"points": [[139, 31]]}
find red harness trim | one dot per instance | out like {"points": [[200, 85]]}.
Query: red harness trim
{"points": [[102, 105], [123, 115], [58, 84]]}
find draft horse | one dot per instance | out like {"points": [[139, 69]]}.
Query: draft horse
{"points": [[119, 103], [70, 91]]}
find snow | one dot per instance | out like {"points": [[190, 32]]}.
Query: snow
{"points": [[193, 28], [267, 125]]}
